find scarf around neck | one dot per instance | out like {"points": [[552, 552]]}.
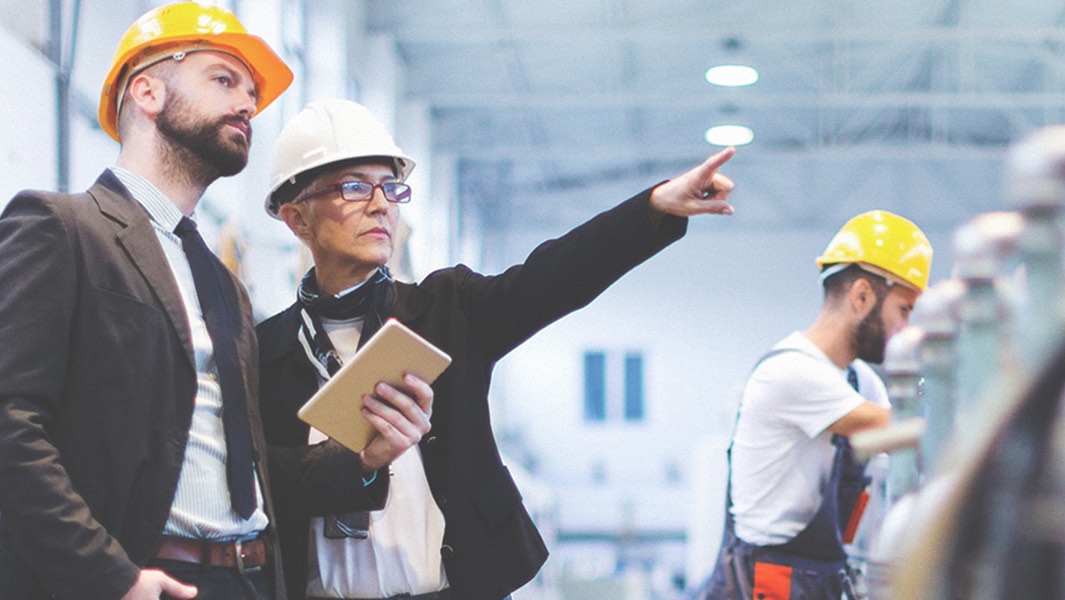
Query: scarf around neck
{"points": [[370, 301]]}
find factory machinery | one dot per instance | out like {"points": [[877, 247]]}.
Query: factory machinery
{"points": [[969, 479]]}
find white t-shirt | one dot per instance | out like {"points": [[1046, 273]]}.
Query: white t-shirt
{"points": [[782, 451], [402, 554]]}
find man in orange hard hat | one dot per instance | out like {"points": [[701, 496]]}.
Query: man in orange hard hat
{"points": [[794, 483], [131, 449]]}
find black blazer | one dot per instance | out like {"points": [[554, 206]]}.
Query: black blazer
{"points": [[491, 546], [97, 382]]}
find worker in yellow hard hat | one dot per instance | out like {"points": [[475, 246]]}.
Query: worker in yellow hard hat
{"points": [[132, 458], [796, 491]]}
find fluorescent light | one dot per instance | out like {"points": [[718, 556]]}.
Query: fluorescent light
{"points": [[729, 135], [732, 75]]}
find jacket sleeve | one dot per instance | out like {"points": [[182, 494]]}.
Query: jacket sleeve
{"points": [[69, 552], [305, 480], [565, 274], [320, 480]]}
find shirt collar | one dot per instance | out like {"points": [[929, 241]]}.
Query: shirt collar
{"points": [[160, 208]]}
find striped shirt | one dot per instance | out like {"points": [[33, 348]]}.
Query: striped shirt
{"points": [[201, 508]]}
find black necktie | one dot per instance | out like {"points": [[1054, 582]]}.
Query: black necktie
{"points": [[222, 325]]}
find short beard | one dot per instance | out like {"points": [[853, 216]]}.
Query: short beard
{"points": [[870, 339], [202, 148]]}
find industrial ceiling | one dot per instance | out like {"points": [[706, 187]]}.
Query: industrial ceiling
{"points": [[907, 105], [550, 109]]}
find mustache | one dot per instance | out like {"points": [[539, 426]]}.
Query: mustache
{"points": [[241, 120]]}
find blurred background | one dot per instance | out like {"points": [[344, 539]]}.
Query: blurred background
{"points": [[527, 118]]}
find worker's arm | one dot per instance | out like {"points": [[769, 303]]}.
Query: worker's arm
{"points": [[867, 415]]}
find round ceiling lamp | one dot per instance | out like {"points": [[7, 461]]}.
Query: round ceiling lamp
{"points": [[729, 135], [732, 75]]}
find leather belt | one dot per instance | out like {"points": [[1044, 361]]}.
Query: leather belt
{"points": [[246, 556]]}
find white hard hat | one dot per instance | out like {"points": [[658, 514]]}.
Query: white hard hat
{"points": [[324, 133]]}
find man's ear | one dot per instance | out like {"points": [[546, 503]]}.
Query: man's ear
{"points": [[292, 214], [147, 93], [861, 297]]}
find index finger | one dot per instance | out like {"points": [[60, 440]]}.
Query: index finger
{"points": [[714, 162]]}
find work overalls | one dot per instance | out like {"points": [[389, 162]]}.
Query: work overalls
{"points": [[810, 566]]}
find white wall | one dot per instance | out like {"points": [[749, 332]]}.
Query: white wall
{"points": [[700, 312], [27, 136]]}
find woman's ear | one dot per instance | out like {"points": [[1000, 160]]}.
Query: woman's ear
{"points": [[292, 214]]}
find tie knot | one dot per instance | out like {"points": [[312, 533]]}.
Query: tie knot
{"points": [[185, 227]]}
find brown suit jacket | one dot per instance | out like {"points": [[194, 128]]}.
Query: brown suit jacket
{"points": [[97, 382]]}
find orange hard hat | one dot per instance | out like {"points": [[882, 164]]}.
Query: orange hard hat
{"points": [[188, 27]]}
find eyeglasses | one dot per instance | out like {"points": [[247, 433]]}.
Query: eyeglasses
{"points": [[361, 191]]}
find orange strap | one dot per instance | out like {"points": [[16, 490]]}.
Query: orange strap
{"points": [[771, 582], [856, 517]]}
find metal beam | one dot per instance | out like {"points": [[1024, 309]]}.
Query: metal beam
{"points": [[696, 33], [667, 152], [749, 99]]}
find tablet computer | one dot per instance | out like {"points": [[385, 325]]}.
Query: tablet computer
{"points": [[336, 408]]}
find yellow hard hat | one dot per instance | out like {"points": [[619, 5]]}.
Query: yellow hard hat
{"points": [[886, 242], [188, 27]]}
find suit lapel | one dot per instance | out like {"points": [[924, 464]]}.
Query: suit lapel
{"points": [[141, 244]]}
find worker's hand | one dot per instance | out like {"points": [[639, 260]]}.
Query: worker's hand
{"points": [[153, 584], [701, 190], [401, 418]]}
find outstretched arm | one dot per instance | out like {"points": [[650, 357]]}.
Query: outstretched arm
{"points": [[701, 190]]}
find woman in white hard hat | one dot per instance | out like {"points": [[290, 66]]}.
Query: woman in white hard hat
{"points": [[453, 525]]}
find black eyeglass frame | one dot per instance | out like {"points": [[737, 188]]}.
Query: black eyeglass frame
{"points": [[395, 192]]}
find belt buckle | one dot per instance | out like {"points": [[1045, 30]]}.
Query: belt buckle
{"points": [[238, 557]]}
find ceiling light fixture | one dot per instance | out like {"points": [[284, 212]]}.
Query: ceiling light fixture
{"points": [[732, 75], [729, 135]]}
